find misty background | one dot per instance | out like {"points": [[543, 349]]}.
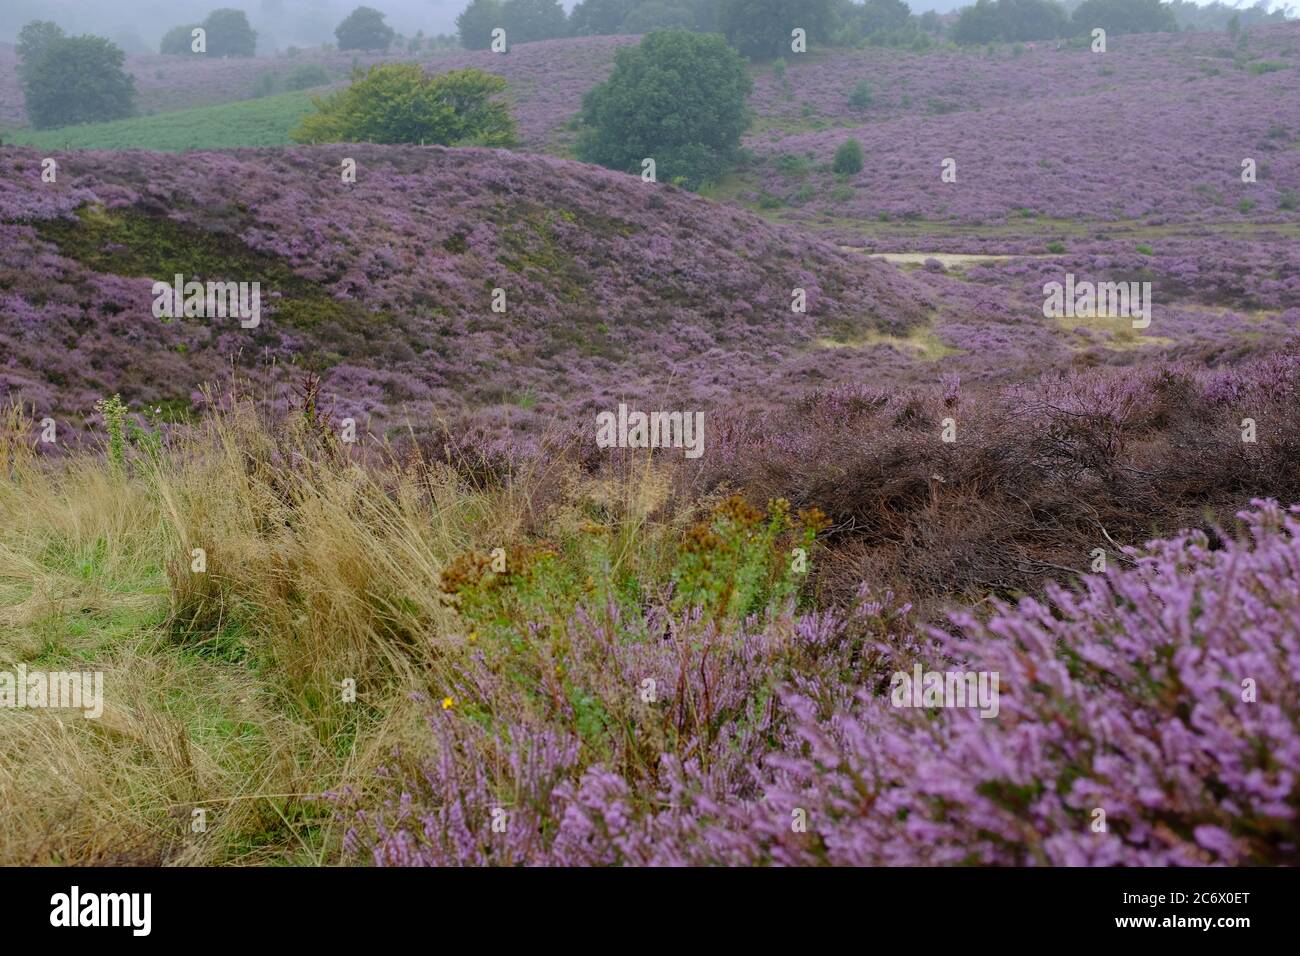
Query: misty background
{"points": [[138, 25]]}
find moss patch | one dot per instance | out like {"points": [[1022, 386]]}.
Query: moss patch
{"points": [[133, 242], [130, 242]]}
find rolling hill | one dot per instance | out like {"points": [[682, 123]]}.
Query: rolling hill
{"points": [[613, 288]]}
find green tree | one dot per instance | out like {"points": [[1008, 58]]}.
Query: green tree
{"points": [[599, 17], [528, 20], [476, 23], [848, 158], [761, 28], [1117, 17], [880, 16], [991, 21], [978, 24], [399, 103], [364, 29], [179, 41], [77, 80], [677, 98], [34, 39], [650, 15], [229, 33]]}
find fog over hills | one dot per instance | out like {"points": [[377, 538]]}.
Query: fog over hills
{"points": [[283, 22], [139, 24]]}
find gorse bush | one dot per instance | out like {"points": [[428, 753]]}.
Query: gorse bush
{"points": [[399, 103]]}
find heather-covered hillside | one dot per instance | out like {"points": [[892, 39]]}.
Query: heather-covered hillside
{"points": [[612, 287], [1185, 111]]}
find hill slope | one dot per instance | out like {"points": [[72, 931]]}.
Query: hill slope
{"points": [[613, 287]]}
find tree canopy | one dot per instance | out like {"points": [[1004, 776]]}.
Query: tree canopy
{"points": [[677, 98]]}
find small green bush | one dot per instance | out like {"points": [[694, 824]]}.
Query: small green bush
{"points": [[848, 158], [398, 103], [264, 86], [306, 76], [861, 98], [788, 164]]}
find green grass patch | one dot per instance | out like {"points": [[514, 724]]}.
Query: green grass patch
{"points": [[260, 122]]}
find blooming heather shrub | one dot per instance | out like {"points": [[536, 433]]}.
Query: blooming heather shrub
{"points": [[1163, 694], [625, 688]]}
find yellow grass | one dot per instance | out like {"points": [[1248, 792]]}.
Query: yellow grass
{"points": [[224, 689]]}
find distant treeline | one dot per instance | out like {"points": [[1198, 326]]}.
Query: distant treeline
{"points": [[1220, 16], [761, 28], [991, 21], [757, 28]]}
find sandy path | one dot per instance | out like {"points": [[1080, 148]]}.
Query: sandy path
{"points": [[948, 259]]}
